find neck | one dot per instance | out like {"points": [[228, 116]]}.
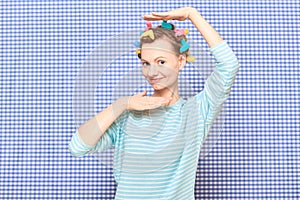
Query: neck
{"points": [[167, 93]]}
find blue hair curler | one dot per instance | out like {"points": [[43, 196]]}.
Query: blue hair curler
{"points": [[137, 44], [166, 25], [185, 46]]}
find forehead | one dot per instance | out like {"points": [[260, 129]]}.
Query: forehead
{"points": [[157, 48], [160, 43]]}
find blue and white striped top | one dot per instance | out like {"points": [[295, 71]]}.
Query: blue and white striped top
{"points": [[156, 152]]}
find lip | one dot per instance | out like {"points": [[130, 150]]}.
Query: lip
{"points": [[155, 80]]}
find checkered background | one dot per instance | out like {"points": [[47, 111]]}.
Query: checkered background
{"points": [[43, 46]]}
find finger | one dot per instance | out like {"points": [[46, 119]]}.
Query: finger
{"points": [[149, 102], [147, 105], [157, 16], [162, 99], [151, 17], [142, 93], [162, 102], [155, 99], [156, 106], [159, 100], [165, 14]]}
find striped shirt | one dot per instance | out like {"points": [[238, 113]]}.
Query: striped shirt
{"points": [[156, 152]]}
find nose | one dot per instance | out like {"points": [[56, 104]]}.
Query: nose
{"points": [[153, 70]]}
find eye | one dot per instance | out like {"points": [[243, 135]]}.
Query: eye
{"points": [[145, 64], [161, 62]]}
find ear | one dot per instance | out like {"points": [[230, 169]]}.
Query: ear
{"points": [[181, 61]]}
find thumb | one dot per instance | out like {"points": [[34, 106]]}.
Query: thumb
{"points": [[143, 93]]}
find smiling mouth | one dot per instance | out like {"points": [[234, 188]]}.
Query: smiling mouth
{"points": [[155, 80]]}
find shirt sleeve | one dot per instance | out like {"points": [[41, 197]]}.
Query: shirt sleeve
{"points": [[78, 148], [218, 85]]}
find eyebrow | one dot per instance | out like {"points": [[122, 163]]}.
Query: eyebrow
{"points": [[155, 58]]}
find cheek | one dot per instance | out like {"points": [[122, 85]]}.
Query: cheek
{"points": [[144, 71], [170, 71]]}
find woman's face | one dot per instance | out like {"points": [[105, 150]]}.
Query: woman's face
{"points": [[160, 64]]}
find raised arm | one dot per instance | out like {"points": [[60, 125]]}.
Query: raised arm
{"points": [[211, 36], [208, 32], [218, 85]]}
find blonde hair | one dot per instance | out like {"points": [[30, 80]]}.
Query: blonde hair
{"points": [[165, 34]]}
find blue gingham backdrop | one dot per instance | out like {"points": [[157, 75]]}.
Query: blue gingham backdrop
{"points": [[44, 45]]}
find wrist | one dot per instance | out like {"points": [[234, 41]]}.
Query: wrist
{"points": [[192, 12], [122, 103]]}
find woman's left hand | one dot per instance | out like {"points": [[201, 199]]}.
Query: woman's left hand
{"points": [[179, 14]]}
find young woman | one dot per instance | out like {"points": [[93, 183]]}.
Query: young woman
{"points": [[160, 161]]}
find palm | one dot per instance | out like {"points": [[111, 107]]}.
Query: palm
{"points": [[179, 14]]}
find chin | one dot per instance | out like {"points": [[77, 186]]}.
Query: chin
{"points": [[158, 87], [155, 87]]}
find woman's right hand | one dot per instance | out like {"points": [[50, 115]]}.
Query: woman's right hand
{"points": [[142, 102], [179, 14]]}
